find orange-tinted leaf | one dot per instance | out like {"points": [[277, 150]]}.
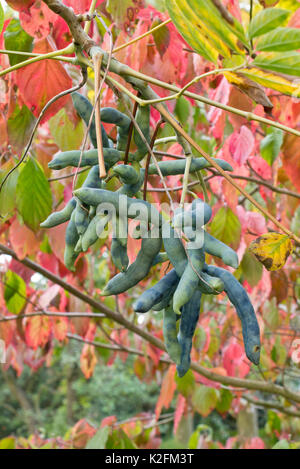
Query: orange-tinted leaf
{"points": [[41, 81], [280, 285], [180, 407], [108, 421], [291, 158], [167, 391], [37, 332], [60, 328], [23, 240], [81, 433], [88, 360]]}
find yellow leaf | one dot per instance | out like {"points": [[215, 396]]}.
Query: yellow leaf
{"points": [[252, 89], [275, 81], [272, 250]]}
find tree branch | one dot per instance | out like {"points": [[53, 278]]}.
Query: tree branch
{"points": [[263, 386]]}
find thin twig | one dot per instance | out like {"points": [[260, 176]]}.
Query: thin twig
{"points": [[136, 39], [135, 106], [55, 98], [97, 60], [67, 50]]}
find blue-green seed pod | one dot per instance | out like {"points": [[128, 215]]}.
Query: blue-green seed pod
{"points": [[57, 218], [137, 271], [143, 120], [155, 294], [170, 335], [113, 116], [89, 158], [240, 300], [172, 168], [71, 239], [84, 108], [188, 323]]}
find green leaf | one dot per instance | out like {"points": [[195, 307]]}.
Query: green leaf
{"points": [[252, 268], [280, 40], [201, 429], [33, 195], [8, 193], [225, 400], [99, 439], [9, 442], [186, 384], [19, 126], [270, 145], [228, 29], [204, 400], [270, 314], [226, 227], [65, 134], [161, 37], [15, 38], [278, 353], [182, 109], [14, 292], [284, 62], [266, 20], [195, 19], [1, 17], [281, 444], [122, 12]]}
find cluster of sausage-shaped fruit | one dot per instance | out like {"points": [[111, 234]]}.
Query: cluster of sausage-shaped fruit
{"points": [[179, 292]]}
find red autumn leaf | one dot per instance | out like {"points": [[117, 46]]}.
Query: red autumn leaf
{"points": [[234, 360], [47, 298], [49, 262], [291, 159], [167, 391], [108, 421], [20, 5], [41, 81], [234, 8], [55, 237], [220, 94], [295, 20], [61, 33], [60, 327], [88, 360], [81, 433], [239, 100], [241, 145], [21, 270], [23, 240], [7, 332], [37, 331], [38, 20], [81, 6], [33, 359], [255, 443]]}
